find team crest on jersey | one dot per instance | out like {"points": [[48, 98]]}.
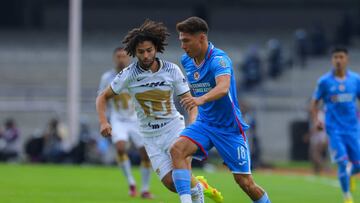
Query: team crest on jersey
{"points": [[342, 87], [196, 75], [222, 63]]}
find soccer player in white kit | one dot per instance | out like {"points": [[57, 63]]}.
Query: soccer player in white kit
{"points": [[152, 82], [124, 124]]}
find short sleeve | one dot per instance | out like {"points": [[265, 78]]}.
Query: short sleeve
{"points": [[120, 82], [180, 84], [221, 65], [319, 91]]}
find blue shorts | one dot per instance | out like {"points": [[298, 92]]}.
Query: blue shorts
{"points": [[229, 142], [345, 146]]}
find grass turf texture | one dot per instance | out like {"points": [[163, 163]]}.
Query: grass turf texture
{"points": [[89, 184]]}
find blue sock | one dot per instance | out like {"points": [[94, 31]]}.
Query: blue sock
{"points": [[355, 169], [182, 181], [343, 176], [263, 199]]}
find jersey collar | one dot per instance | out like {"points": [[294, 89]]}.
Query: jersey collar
{"points": [[208, 55], [337, 78]]}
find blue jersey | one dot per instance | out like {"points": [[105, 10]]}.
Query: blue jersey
{"points": [[225, 111], [339, 97]]}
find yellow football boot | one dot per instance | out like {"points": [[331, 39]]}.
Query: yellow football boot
{"points": [[211, 192]]}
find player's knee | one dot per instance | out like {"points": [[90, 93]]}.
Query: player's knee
{"points": [[177, 150], [121, 148]]}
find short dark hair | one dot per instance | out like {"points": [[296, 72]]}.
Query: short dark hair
{"points": [[156, 32], [193, 25], [338, 49], [118, 49]]}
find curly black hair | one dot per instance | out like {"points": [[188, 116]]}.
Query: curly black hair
{"points": [[156, 32]]}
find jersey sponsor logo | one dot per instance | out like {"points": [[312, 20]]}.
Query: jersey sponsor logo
{"points": [[157, 125], [201, 87], [154, 84], [196, 75], [340, 98]]}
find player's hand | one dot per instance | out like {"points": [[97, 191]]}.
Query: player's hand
{"points": [[105, 129], [190, 102], [319, 125]]}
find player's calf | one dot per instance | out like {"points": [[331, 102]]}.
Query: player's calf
{"points": [[168, 182], [247, 184]]}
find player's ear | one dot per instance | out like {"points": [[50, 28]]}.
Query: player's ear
{"points": [[202, 37]]}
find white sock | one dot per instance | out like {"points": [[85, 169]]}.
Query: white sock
{"points": [[126, 168], [347, 195], [197, 194], [185, 198], [145, 178]]}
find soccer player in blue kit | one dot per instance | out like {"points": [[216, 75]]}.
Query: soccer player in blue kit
{"points": [[339, 90], [219, 122]]}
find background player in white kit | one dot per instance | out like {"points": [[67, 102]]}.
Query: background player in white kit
{"points": [[152, 83], [124, 124]]}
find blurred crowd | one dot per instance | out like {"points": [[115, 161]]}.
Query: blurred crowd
{"points": [[313, 42], [53, 145]]}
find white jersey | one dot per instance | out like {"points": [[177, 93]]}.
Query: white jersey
{"points": [[122, 107], [153, 94]]}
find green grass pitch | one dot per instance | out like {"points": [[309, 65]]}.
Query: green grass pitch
{"points": [[89, 184]]}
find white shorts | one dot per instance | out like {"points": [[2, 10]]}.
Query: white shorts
{"points": [[317, 138], [121, 131], [158, 148]]}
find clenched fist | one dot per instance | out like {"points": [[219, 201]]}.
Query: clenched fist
{"points": [[105, 129]]}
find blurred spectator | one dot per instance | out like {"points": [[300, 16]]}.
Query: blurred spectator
{"points": [[318, 41], [251, 68], [301, 47], [9, 141], [34, 146], [87, 141], [318, 146], [274, 58], [53, 148]]}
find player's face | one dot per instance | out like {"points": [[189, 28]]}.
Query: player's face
{"points": [[146, 53], [121, 60], [191, 43], [339, 60]]}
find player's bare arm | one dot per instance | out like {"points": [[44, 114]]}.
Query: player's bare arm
{"points": [[314, 114], [221, 89], [101, 101], [192, 112]]}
